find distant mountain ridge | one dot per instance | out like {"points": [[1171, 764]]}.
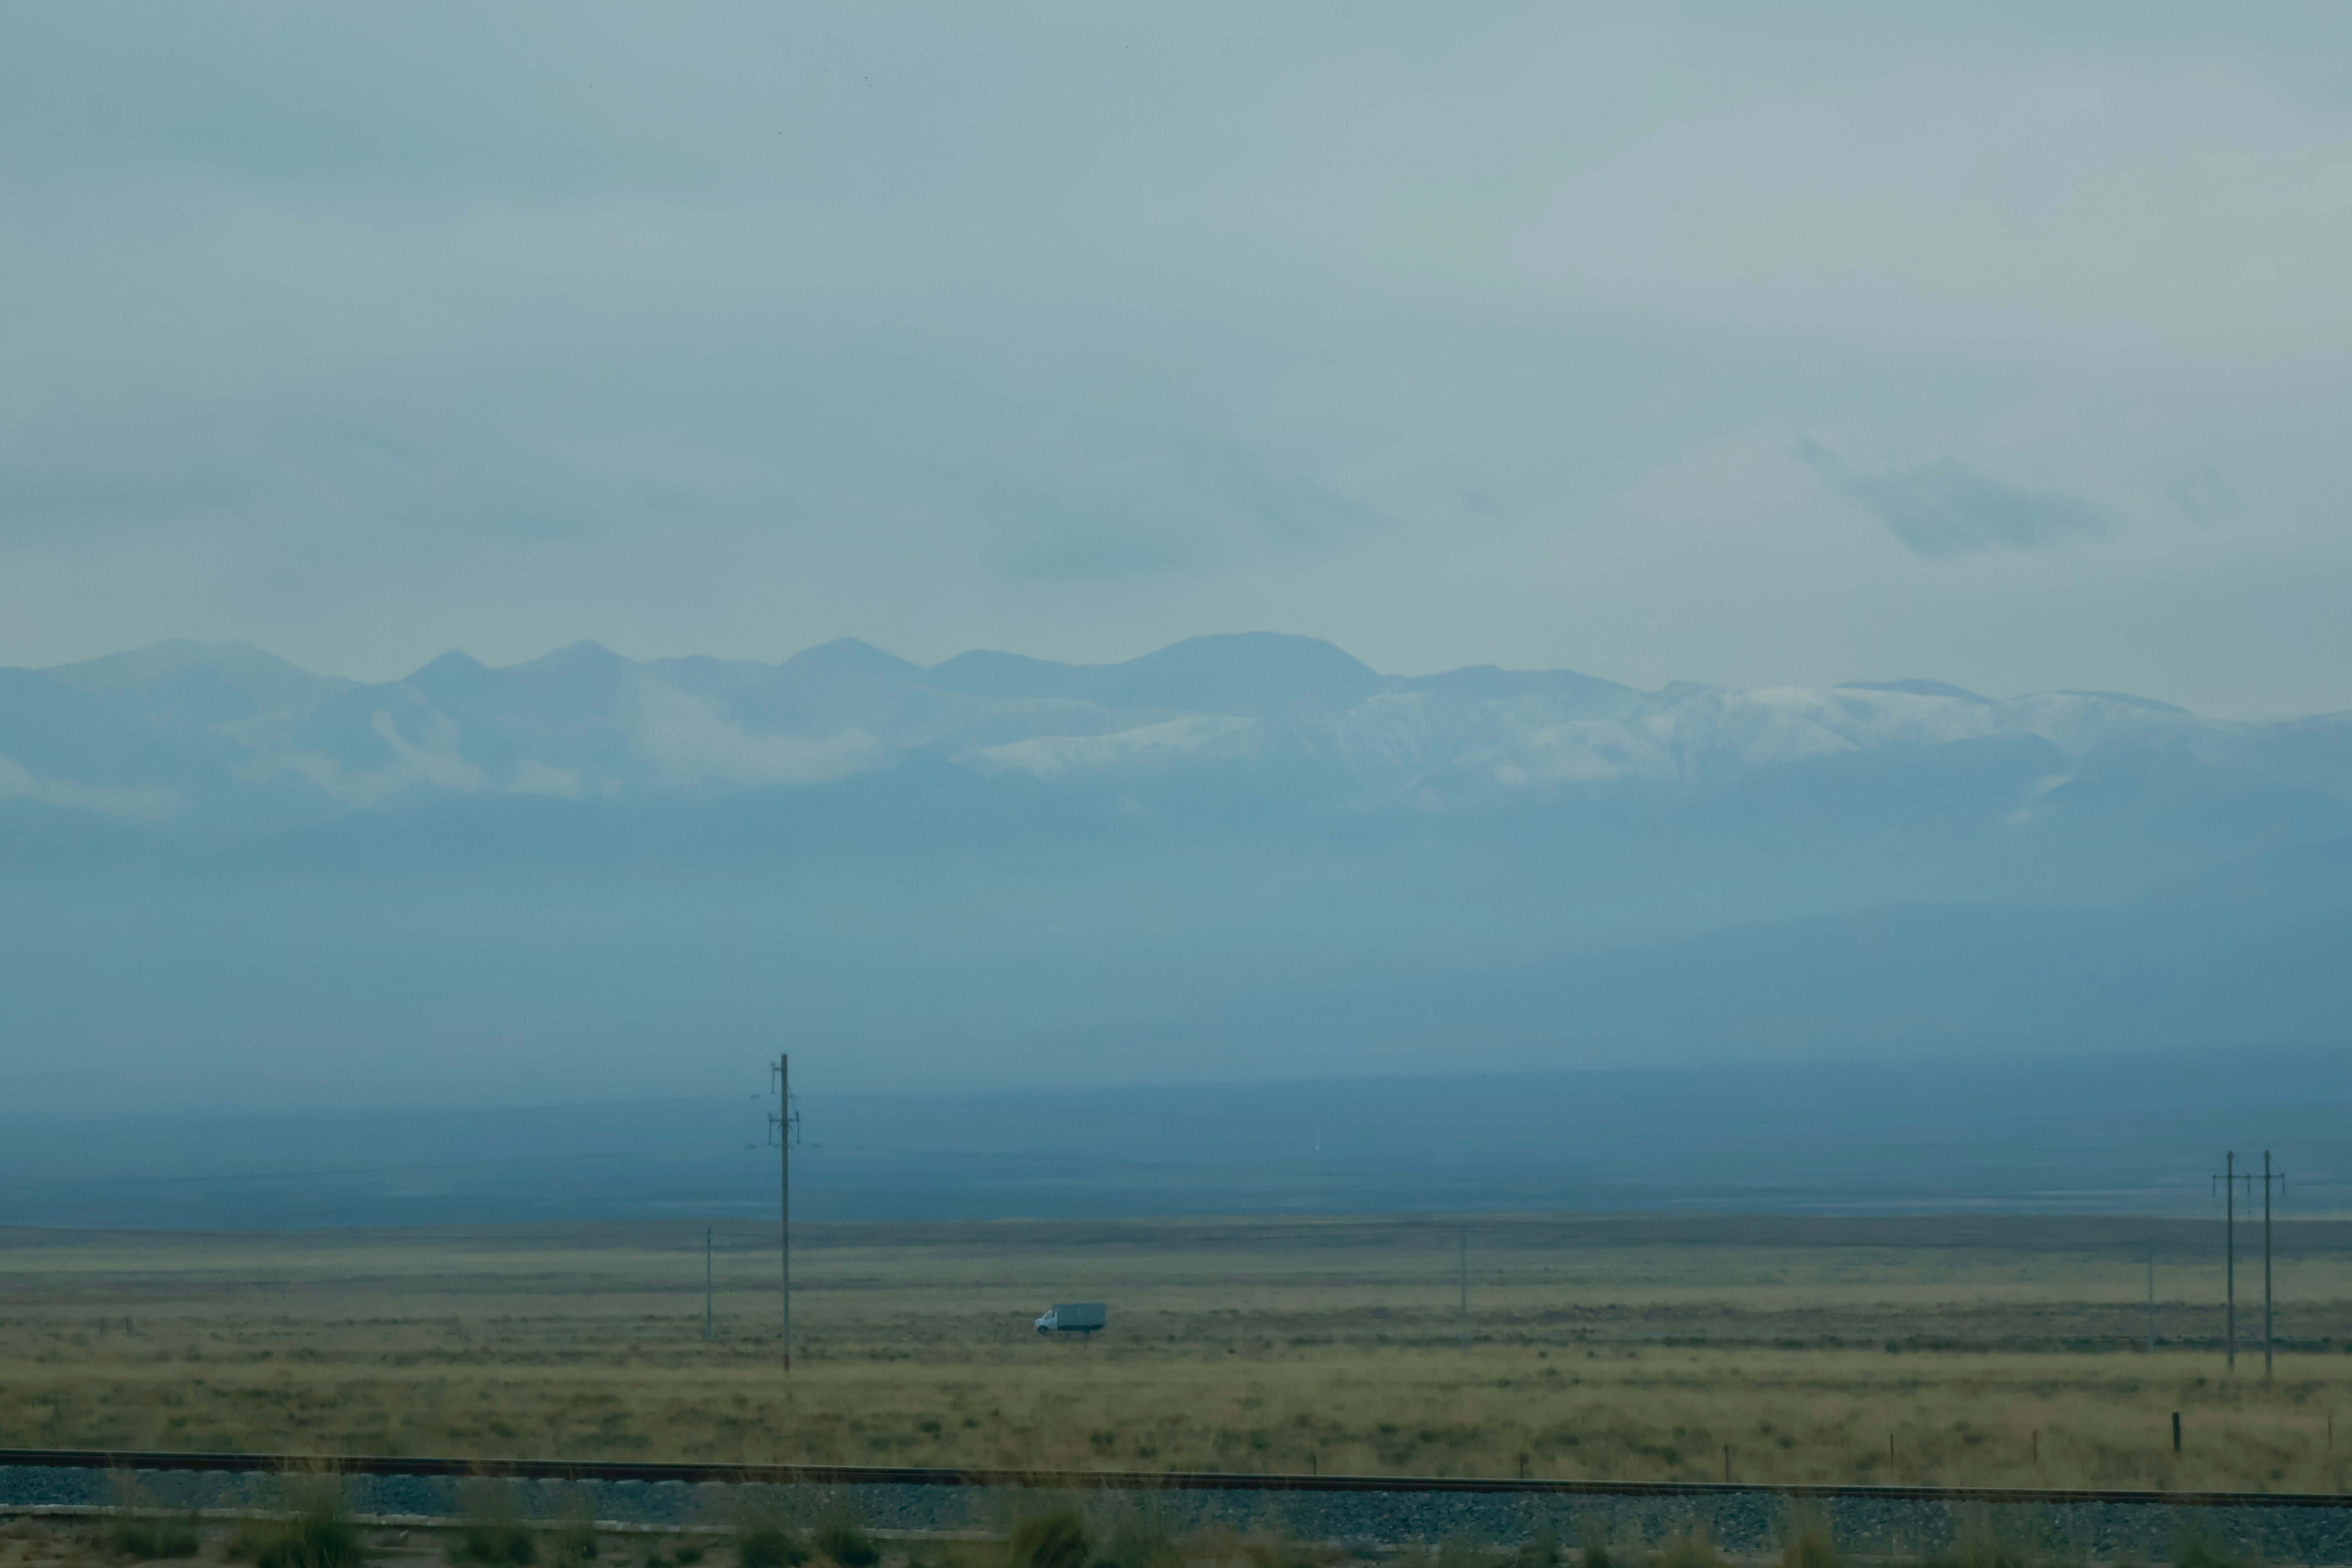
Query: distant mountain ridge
{"points": [[226, 880], [232, 743]]}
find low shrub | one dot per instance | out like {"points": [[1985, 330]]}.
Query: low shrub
{"points": [[490, 1533], [1056, 1540], [495, 1543], [149, 1538], [770, 1546], [574, 1541], [318, 1534], [844, 1542], [1135, 1531]]}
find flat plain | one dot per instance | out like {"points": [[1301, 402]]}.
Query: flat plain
{"points": [[1977, 1349]]}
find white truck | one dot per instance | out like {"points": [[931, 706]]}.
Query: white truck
{"points": [[1073, 1318]]}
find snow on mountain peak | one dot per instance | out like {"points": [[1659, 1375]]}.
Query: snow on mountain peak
{"points": [[585, 723]]}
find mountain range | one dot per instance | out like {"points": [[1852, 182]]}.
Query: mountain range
{"points": [[227, 880], [220, 742]]}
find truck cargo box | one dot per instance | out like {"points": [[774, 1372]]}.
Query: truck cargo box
{"points": [[1073, 1318]]}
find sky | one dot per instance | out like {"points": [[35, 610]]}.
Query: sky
{"points": [[2006, 345]]}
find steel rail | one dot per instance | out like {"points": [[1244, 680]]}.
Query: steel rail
{"points": [[1107, 1480]]}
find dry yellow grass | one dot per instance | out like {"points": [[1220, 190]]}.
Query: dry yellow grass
{"points": [[1603, 1348]]}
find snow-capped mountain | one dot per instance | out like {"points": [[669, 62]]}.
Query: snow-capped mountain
{"points": [[223, 878], [229, 741]]}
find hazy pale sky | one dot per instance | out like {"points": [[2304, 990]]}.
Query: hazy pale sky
{"points": [[2006, 345]]}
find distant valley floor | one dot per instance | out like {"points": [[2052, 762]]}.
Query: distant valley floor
{"points": [[2082, 1134]]}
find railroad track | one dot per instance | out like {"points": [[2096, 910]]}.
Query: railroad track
{"points": [[607, 1470]]}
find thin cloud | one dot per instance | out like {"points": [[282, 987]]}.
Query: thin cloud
{"points": [[138, 803], [1943, 509], [1092, 506], [64, 474], [2206, 498], [692, 743]]}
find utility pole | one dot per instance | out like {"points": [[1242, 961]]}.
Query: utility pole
{"points": [[1465, 1288], [706, 1283], [2230, 1178], [2267, 1179], [785, 1125]]}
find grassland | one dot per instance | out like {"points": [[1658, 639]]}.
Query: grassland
{"points": [[1966, 1352]]}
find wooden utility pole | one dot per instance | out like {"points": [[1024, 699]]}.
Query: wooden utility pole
{"points": [[2267, 1179], [2230, 1178], [785, 1123]]}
